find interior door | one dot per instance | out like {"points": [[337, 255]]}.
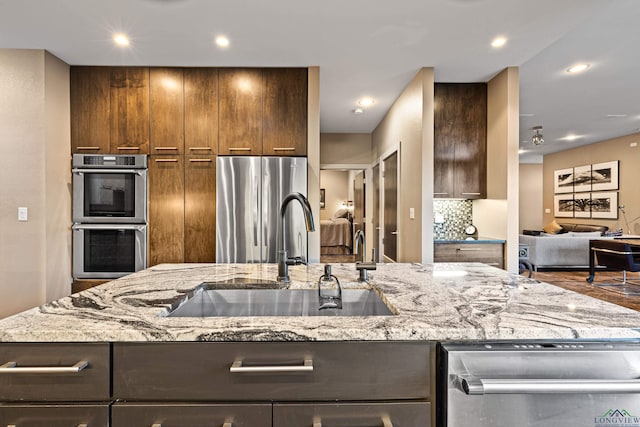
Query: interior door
{"points": [[390, 183], [358, 203], [375, 220]]}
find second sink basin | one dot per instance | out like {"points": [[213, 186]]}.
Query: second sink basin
{"points": [[206, 302]]}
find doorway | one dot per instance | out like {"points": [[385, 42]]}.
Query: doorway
{"points": [[390, 212]]}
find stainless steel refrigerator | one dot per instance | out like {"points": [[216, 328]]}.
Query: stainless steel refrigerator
{"points": [[249, 191]]}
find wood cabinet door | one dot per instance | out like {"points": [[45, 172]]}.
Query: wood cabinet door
{"points": [[190, 415], [48, 415], [285, 112], [201, 110], [470, 179], [200, 209], [396, 414], [240, 112], [166, 209], [129, 99], [460, 126], [166, 111], [89, 90]]}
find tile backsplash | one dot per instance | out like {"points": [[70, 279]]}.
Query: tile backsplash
{"points": [[456, 216]]}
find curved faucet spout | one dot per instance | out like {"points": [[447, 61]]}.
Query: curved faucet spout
{"points": [[283, 259]]}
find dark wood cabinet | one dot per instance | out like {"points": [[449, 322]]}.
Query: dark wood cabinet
{"points": [[396, 414], [487, 253], [200, 209], [166, 111], [90, 109], [54, 415], [166, 209], [201, 110], [460, 140], [191, 414], [129, 112], [285, 112], [240, 111]]}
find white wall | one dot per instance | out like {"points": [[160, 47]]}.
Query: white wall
{"points": [[35, 267]]}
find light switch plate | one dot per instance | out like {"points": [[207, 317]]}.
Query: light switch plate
{"points": [[547, 210], [412, 213], [23, 214]]}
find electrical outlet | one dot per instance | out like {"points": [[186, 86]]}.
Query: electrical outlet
{"points": [[23, 214]]}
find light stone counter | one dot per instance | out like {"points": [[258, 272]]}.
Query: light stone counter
{"points": [[433, 302]]}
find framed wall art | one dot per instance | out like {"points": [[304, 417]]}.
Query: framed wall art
{"points": [[563, 181], [582, 205], [604, 176], [604, 205], [563, 205], [582, 178]]}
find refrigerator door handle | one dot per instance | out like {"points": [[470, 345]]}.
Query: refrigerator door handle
{"points": [[255, 223]]}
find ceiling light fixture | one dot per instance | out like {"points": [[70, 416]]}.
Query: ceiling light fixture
{"points": [[358, 111], [121, 39], [577, 68], [537, 138], [499, 42], [222, 41], [366, 102], [570, 137]]}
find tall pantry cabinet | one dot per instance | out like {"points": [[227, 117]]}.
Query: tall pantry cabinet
{"points": [[182, 118]]}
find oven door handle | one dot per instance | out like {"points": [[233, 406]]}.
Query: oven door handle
{"points": [[138, 172], [481, 386], [138, 227]]}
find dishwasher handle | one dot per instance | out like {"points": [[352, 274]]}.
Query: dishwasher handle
{"points": [[547, 386]]}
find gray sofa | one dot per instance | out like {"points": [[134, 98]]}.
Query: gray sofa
{"points": [[569, 248]]}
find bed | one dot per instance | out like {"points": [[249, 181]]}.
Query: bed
{"points": [[335, 236]]}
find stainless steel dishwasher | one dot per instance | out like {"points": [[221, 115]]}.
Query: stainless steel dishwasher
{"points": [[550, 384]]}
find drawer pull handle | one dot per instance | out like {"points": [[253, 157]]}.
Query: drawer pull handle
{"points": [[12, 368], [129, 148], [439, 194], [239, 149], [166, 160], [200, 160], [385, 422], [470, 194], [166, 148], [468, 249], [227, 424], [87, 148], [238, 368], [200, 148], [284, 149]]}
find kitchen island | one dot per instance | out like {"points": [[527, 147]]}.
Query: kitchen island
{"points": [[111, 356], [439, 302]]}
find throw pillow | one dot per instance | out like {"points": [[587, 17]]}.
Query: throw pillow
{"points": [[552, 228]]}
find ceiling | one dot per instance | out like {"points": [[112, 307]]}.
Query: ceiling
{"points": [[373, 48]]}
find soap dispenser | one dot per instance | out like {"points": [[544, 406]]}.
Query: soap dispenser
{"points": [[329, 290]]}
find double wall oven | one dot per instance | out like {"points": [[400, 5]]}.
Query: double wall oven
{"points": [[109, 215]]}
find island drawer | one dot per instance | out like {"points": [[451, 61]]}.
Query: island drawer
{"points": [[396, 414], [54, 372], [46, 415], [271, 371], [190, 414]]}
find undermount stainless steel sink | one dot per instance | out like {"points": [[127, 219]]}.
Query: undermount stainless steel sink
{"points": [[208, 301]]}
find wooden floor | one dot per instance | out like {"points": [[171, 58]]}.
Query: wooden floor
{"points": [[576, 281]]}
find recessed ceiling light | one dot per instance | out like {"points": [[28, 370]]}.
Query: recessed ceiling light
{"points": [[526, 115], [521, 151], [366, 102], [616, 116], [121, 39], [358, 111], [570, 137], [499, 42], [222, 41], [578, 68]]}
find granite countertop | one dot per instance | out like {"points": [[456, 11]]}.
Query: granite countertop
{"points": [[463, 238], [434, 302]]}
